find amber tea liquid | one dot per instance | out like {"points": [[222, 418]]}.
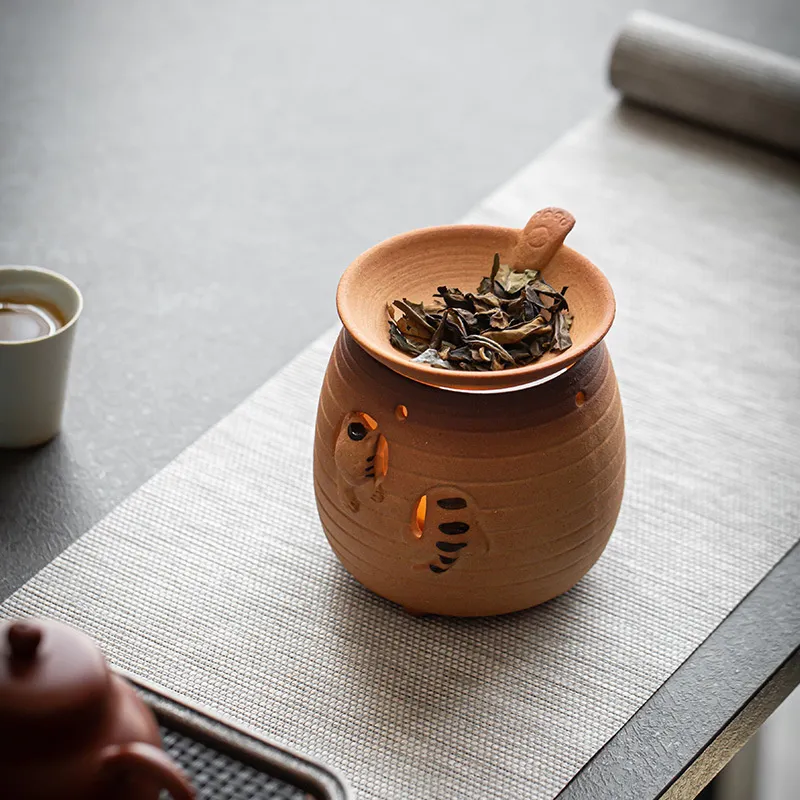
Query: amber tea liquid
{"points": [[22, 320]]}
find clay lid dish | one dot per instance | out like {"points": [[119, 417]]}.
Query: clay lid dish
{"points": [[413, 264]]}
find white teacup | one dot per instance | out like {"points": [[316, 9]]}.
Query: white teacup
{"points": [[33, 372]]}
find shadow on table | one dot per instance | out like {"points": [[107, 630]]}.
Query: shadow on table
{"points": [[707, 145], [14, 462], [41, 499]]}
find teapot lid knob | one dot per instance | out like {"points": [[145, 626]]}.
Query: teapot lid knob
{"points": [[54, 681], [24, 639]]}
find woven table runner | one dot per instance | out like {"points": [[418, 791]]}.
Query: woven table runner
{"points": [[215, 580]]}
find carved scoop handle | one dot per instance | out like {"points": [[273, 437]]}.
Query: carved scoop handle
{"points": [[147, 760], [541, 237]]}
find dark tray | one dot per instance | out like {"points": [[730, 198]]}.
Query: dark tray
{"points": [[226, 762]]}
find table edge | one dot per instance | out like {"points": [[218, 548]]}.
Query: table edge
{"points": [[656, 754]]}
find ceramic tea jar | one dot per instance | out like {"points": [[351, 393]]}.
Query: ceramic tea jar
{"points": [[69, 728], [469, 493]]}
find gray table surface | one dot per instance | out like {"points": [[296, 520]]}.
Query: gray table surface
{"points": [[187, 162]]}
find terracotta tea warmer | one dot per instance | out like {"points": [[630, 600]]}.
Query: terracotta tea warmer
{"points": [[69, 728], [469, 493]]}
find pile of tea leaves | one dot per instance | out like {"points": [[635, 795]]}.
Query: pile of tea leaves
{"points": [[511, 320]]}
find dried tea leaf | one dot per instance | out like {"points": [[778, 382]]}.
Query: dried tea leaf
{"points": [[468, 319], [520, 353], [454, 298], [499, 320], [487, 343], [479, 355], [537, 348], [438, 335], [513, 281], [411, 330], [532, 299], [460, 354], [415, 313], [400, 342], [431, 357], [516, 308], [455, 325], [512, 320], [495, 266], [486, 287], [542, 287], [484, 302], [444, 350], [536, 327], [561, 338]]}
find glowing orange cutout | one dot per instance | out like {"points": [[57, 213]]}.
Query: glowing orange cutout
{"points": [[368, 420], [401, 412], [420, 512]]}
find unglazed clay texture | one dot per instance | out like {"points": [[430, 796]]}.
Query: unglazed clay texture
{"points": [[414, 264], [465, 503]]}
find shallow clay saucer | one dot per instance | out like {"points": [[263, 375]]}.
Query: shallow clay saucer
{"points": [[414, 264]]}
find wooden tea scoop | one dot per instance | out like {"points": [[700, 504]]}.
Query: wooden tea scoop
{"points": [[540, 238]]}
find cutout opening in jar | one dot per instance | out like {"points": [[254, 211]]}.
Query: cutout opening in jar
{"points": [[420, 512]]}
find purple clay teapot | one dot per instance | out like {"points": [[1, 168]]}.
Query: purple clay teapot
{"points": [[70, 728]]}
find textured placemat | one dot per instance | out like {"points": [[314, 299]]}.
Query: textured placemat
{"points": [[215, 580]]}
